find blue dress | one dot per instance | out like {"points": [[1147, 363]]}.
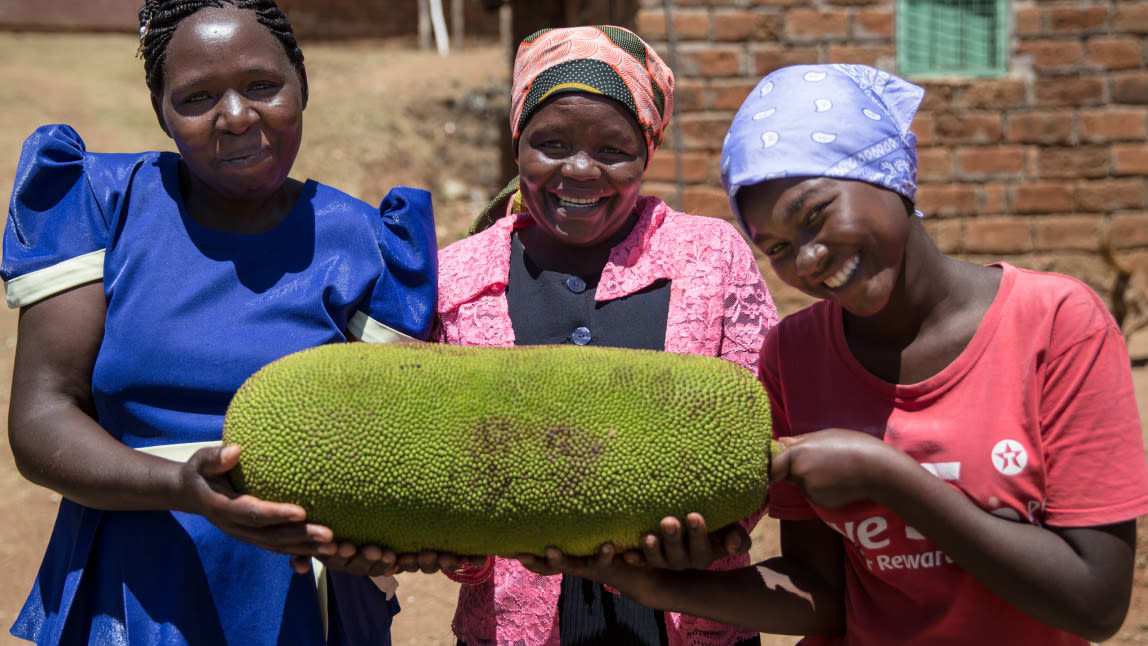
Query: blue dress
{"points": [[192, 313]]}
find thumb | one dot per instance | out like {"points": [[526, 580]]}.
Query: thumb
{"points": [[778, 462], [217, 460]]}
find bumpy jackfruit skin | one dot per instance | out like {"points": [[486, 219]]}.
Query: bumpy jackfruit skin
{"points": [[501, 451]]}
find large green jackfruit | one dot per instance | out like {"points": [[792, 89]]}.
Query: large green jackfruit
{"points": [[501, 450]]}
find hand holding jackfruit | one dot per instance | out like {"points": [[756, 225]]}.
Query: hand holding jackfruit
{"points": [[478, 450]]}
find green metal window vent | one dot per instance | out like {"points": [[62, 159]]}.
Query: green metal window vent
{"points": [[952, 38]]}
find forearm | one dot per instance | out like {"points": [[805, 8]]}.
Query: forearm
{"points": [[774, 596], [63, 449], [770, 597], [1032, 568]]}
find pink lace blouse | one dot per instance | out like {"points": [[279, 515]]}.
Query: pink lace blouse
{"points": [[719, 306]]}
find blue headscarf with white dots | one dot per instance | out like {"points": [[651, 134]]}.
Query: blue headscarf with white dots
{"points": [[845, 121]]}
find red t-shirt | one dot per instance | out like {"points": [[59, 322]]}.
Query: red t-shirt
{"points": [[1035, 420]]}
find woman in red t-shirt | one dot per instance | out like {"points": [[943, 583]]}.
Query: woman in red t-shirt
{"points": [[965, 458]]}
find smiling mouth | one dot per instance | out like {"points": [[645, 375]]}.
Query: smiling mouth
{"points": [[573, 203], [842, 276]]}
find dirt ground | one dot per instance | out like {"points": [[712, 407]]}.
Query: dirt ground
{"points": [[381, 114]]}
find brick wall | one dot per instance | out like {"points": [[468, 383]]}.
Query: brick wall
{"points": [[1038, 168]]}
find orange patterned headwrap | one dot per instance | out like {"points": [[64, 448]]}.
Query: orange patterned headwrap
{"points": [[604, 60]]}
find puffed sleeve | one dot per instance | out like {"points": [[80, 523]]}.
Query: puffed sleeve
{"points": [[402, 304], [57, 227]]}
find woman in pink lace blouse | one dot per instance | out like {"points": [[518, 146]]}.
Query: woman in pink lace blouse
{"points": [[571, 252]]}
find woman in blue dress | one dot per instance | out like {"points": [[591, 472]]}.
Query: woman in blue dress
{"points": [[150, 286]]}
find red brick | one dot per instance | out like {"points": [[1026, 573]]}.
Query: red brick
{"points": [[752, 25], [1130, 231], [873, 23], [1072, 162], [1042, 197], [815, 24], [650, 24], [993, 94], [697, 167], [993, 196], [924, 128], [1130, 18], [1064, 232], [1130, 159], [706, 200], [1113, 124], [729, 94], [771, 57], [690, 95], [939, 95], [779, 3], [709, 61], [856, 3], [996, 235], [968, 127], [1130, 87], [863, 54], [1077, 20], [704, 131], [985, 162], [1110, 195], [1115, 53], [692, 24], [1052, 54], [934, 165], [1043, 127], [947, 199], [1067, 91], [1027, 21]]}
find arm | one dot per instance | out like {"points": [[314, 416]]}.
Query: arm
{"points": [[1078, 580], [797, 593], [57, 443]]}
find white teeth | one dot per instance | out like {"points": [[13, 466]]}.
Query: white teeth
{"points": [[838, 279], [569, 201]]}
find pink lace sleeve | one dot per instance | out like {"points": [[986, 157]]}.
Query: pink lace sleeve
{"points": [[472, 307], [720, 305], [749, 311]]}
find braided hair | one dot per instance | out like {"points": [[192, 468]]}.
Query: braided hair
{"points": [[160, 18]]}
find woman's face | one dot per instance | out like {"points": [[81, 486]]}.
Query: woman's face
{"points": [[580, 161], [839, 240], [232, 102]]}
